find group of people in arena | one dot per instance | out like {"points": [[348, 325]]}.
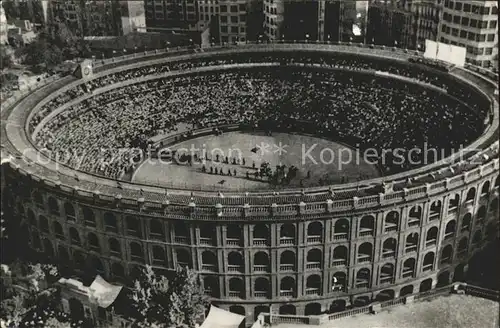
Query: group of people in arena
{"points": [[301, 93]]}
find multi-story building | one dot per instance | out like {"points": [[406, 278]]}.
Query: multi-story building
{"points": [[323, 20], [473, 25], [427, 15], [99, 18]]}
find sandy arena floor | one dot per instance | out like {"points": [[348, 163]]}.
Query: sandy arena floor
{"points": [[454, 311], [327, 160]]}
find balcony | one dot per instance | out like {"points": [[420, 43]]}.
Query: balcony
{"points": [[434, 216], [286, 293], [449, 235], [260, 268], [363, 284], [338, 262], [429, 243], [340, 236], [314, 265], [209, 267], [286, 241], [413, 223], [287, 267], [260, 294], [411, 248], [366, 232], [386, 279], [206, 241], [314, 239], [136, 258], [259, 242], [427, 267], [388, 254], [364, 258], [312, 291], [452, 210], [407, 273], [181, 240], [115, 253], [156, 236], [235, 294], [235, 268], [233, 242], [391, 228]]}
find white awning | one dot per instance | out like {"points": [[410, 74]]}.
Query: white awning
{"points": [[105, 292], [219, 318]]}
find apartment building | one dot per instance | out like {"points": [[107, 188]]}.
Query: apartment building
{"points": [[473, 25], [323, 20]]}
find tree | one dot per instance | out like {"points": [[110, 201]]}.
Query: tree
{"points": [[42, 52], [54, 323], [159, 302], [12, 310]]}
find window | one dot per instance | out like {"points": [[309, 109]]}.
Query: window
{"points": [[223, 29], [243, 7], [234, 19], [458, 6], [234, 9], [494, 10], [475, 9], [485, 10], [448, 29], [472, 36], [454, 31], [452, 4], [470, 49], [243, 18], [223, 19], [488, 51], [465, 21], [223, 9], [443, 28], [234, 29], [484, 24], [473, 23], [491, 37], [493, 24], [242, 29], [463, 34], [201, 9], [456, 19], [467, 7], [447, 17]]}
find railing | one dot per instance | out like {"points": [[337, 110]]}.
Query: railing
{"points": [[457, 287]]}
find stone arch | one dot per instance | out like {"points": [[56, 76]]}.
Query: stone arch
{"points": [[183, 257], [459, 273], [341, 229], [58, 230], [485, 189], [409, 267], [235, 233], [337, 306], [38, 199], [288, 260], [385, 295], [313, 285], [406, 290], [367, 226], [340, 255], [450, 230], [88, 217], [428, 264], [262, 287], [211, 286], [477, 238], [136, 252], [387, 273], [261, 233], [133, 226], [69, 210], [312, 309], [314, 258], [117, 270], [391, 221], [236, 287], [48, 249], [209, 261], [339, 281], [261, 262], [454, 202], [181, 229], [315, 231], [415, 216], [114, 247], [159, 256], [63, 255], [463, 244], [238, 309], [74, 236], [93, 242], [260, 309], [443, 279], [361, 301], [236, 262], [411, 244], [466, 222], [287, 286], [481, 213], [208, 234], [471, 194], [431, 236], [96, 266], [363, 278], [435, 209], [425, 285], [447, 254], [287, 233], [156, 230], [79, 260]]}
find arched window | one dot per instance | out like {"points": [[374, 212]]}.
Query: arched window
{"points": [[312, 309], [411, 242], [136, 252], [287, 287], [211, 286], [53, 206], [341, 230], [315, 232], [453, 205], [339, 282], [287, 309], [391, 221], [261, 262], [463, 245], [114, 247], [93, 242], [287, 261], [387, 273], [38, 200], [485, 189], [235, 262], [97, 266], [261, 287], [70, 212], [260, 234], [365, 252], [236, 288], [44, 224], [181, 232], [287, 234], [366, 226], [183, 258], [110, 223], [48, 248], [260, 309], [74, 236], [159, 257], [63, 255], [363, 278], [117, 270], [481, 214], [314, 259], [133, 226], [471, 194], [340, 255], [389, 248], [234, 235], [466, 222], [156, 229], [79, 260], [208, 234], [415, 216], [435, 210], [447, 254], [88, 217], [431, 236], [313, 285], [409, 268], [428, 264], [58, 230], [209, 261], [450, 229], [478, 236]]}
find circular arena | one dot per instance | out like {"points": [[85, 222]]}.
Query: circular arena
{"points": [[105, 179]]}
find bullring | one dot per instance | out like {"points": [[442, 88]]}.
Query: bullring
{"points": [[410, 230]]}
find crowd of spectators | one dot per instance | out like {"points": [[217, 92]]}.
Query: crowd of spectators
{"points": [[372, 111]]}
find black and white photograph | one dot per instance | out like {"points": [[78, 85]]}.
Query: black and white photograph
{"points": [[249, 164]]}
